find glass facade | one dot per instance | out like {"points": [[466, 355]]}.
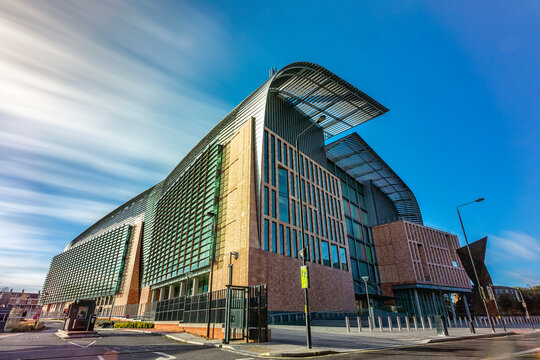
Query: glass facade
{"points": [[91, 269], [359, 234], [322, 209], [181, 238]]}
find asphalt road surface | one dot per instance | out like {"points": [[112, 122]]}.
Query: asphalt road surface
{"points": [[111, 345], [525, 346]]}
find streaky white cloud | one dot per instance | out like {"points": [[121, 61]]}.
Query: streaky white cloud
{"points": [[14, 200], [99, 101], [516, 245]]}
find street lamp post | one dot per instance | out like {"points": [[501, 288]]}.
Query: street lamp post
{"points": [[212, 259], [229, 299], [371, 315], [480, 290], [303, 251]]}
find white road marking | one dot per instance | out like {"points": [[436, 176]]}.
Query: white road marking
{"points": [[167, 356], [84, 347], [8, 335], [100, 357]]}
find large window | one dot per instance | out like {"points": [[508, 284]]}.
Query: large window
{"points": [[283, 195], [325, 253], [335, 257], [343, 257]]}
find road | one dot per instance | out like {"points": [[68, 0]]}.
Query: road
{"points": [[525, 346], [112, 345]]}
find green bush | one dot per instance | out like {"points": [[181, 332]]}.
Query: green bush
{"points": [[134, 325]]}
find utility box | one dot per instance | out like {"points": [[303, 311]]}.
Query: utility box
{"points": [[80, 316]]}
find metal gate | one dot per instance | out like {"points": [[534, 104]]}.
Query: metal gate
{"points": [[246, 313]]}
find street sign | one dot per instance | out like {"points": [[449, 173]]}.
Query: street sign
{"points": [[304, 276]]}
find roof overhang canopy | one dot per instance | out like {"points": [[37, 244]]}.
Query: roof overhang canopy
{"points": [[316, 91], [359, 160]]}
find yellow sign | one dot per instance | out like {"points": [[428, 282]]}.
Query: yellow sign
{"points": [[304, 275]]}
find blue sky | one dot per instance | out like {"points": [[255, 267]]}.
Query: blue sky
{"points": [[99, 101]]}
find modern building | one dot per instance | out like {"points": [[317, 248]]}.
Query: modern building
{"points": [[420, 268], [244, 180], [28, 302]]}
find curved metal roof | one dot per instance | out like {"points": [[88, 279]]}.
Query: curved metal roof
{"points": [[316, 91], [359, 160]]}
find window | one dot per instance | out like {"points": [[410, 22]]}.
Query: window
{"points": [[274, 237], [266, 202], [265, 147], [266, 234], [285, 160], [281, 240], [279, 150], [343, 257], [293, 212], [335, 258], [273, 203], [295, 242], [325, 253], [292, 184], [354, 269], [283, 195], [352, 247], [288, 242], [273, 157]]}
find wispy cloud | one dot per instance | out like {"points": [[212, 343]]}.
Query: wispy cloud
{"points": [[516, 245], [99, 101]]}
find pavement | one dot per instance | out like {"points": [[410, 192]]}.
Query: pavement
{"points": [[290, 340]]}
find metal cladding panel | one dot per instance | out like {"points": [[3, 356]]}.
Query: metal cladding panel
{"points": [[130, 212], [353, 155], [90, 269], [181, 234], [315, 91], [287, 121]]}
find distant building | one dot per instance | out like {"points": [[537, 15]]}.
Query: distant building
{"points": [[20, 300], [419, 267], [499, 290]]}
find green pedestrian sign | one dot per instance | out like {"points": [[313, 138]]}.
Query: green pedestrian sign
{"points": [[304, 275]]}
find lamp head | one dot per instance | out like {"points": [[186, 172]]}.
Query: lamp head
{"points": [[479, 199], [210, 213], [365, 278], [320, 119], [235, 254]]}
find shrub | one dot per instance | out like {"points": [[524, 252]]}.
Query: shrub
{"points": [[26, 327], [134, 325]]}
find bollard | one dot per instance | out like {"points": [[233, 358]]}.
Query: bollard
{"points": [[476, 321], [430, 323], [359, 323], [399, 323], [407, 323], [460, 322], [370, 323], [380, 323], [423, 323], [347, 324], [486, 322], [448, 321], [389, 323], [415, 323], [455, 322]]}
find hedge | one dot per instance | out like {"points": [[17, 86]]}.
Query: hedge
{"points": [[134, 324]]}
